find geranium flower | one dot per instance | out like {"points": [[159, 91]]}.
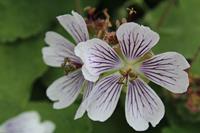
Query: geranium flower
{"points": [[129, 67], [27, 122], [60, 53]]}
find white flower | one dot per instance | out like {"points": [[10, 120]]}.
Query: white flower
{"points": [[60, 53], [128, 69], [27, 122]]}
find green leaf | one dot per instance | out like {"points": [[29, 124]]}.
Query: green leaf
{"points": [[51, 75], [196, 65], [8, 110], [183, 111], [116, 124], [177, 24], [187, 128], [21, 64], [64, 119], [26, 18], [178, 123]]}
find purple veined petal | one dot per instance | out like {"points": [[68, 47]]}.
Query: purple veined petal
{"points": [[87, 75], [167, 70], [59, 49], [83, 107], [55, 57], [136, 40], [75, 25], [66, 89], [173, 60], [142, 106], [54, 39], [98, 57], [27, 122], [104, 98]]}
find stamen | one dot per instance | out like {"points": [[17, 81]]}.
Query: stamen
{"points": [[132, 76], [68, 66], [131, 11], [127, 74], [121, 80]]}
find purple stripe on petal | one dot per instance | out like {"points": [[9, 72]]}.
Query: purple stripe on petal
{"points": [[66, 89], [75, 25], [136, 40], [102, 58], [167, 70], [104, 98], [142, 106], [85, 103], [97, 56], [59, 49]]}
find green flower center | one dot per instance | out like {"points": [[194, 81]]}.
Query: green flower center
{"points": [[131, 68]]}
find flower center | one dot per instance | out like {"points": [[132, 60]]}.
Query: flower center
{"points": [[127, 74], [131, 69], [70, 66]]}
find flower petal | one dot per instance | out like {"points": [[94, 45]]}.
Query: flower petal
{"points": [[87, 75], [98, 57], [54, 39], [104, 98], [136, 40], [75, 25], [48, 126], [66, 89], [28, 122], [59, 49], [167, 70], [26, 116], [82, 108], [2, 130], [142, 106]]}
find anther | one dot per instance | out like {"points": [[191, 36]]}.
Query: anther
{"points": [[121, 80], [132, 75], [131, 11], [68, 66]]}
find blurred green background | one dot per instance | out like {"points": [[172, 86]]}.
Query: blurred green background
{"points": [[24, 77]]}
